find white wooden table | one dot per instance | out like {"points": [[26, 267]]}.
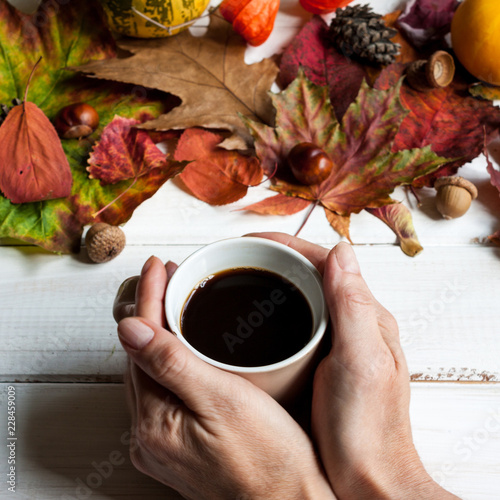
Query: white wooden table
{"points": [[60, 353]]}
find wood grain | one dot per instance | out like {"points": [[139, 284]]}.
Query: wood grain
{"points": [[72, 440]]}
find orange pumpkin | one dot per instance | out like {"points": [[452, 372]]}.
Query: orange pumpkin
{"points": [[323, 6], [475, 35], [252, 19]]}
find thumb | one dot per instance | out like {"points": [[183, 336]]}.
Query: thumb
{"points": [[167, 360], [351, 305]]}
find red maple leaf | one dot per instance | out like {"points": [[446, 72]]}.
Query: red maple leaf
{"points": [[366, 169], [448, 120]]}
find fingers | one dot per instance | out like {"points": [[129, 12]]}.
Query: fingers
{"points": [[124, 303], [167, 360], [352, 306], [150, 293], [315, 253]]}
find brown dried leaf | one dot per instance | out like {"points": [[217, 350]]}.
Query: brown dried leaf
{"points": [[207, 73]]}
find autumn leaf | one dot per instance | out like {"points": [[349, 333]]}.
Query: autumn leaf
{"points": [[72, 35], [448, 120], [322, 64], [427, 21], [124, 152], [495, 181], [34, 166], [398, 218], [278, 204], [485, 91], [365, 171], [215, 175], [207, 73]]}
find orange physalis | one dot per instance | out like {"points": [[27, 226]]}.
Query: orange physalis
{"points": [[252, 19], [323, 6]]}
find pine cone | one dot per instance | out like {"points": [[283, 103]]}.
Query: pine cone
{"points": [[4, 109], [360, 33]]}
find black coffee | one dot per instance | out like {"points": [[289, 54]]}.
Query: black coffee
{"points": [[247, 317]]}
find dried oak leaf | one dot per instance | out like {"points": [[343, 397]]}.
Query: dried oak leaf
{"points": [[366, 170], [448, 120], [215, 175], [72, 35], [208, 73], [427, 21]]}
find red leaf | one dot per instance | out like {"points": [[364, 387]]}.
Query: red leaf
{"points": [[449, 120], [123, 152], [279, 205], [495, 181], [33, 164], [215, 175], [322, 65], [425, 21]]}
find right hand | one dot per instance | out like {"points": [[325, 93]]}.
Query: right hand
{"points": [[361, 396]]}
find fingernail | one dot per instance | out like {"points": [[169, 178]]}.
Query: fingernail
{"points": [[147, 265], [346, 258], [135, 333]]}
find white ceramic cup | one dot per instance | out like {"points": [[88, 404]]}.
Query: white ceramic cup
{"points": [[282, 380]]}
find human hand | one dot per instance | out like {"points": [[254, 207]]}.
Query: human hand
{"points": [[361, 395], [205, 432]]}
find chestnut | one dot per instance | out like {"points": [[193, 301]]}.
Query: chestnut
{"points": [[309, 163], [76, 120]]}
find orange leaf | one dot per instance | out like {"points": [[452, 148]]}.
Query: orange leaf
{"points": [[33, 164], [252, 19], [215, 175], [279, 205], [339, 223]]}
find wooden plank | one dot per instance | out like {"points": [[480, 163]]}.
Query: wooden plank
{"points": [[67, 432], [55, 311], [164, 218]]}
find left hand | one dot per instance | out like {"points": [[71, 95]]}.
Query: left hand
{"points": [[203, 431]]}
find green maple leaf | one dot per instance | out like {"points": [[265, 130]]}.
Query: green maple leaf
{"points": [[69, 35], [366, 170]]}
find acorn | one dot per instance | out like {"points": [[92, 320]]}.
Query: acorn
{"points": [[436, 72], [309, 163], [76, 121], [454, 196], [104, 242]]}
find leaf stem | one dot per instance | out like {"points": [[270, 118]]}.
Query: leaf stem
{"points": [[314, 205], [95, 214], [29, 79], [414, 193]]}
